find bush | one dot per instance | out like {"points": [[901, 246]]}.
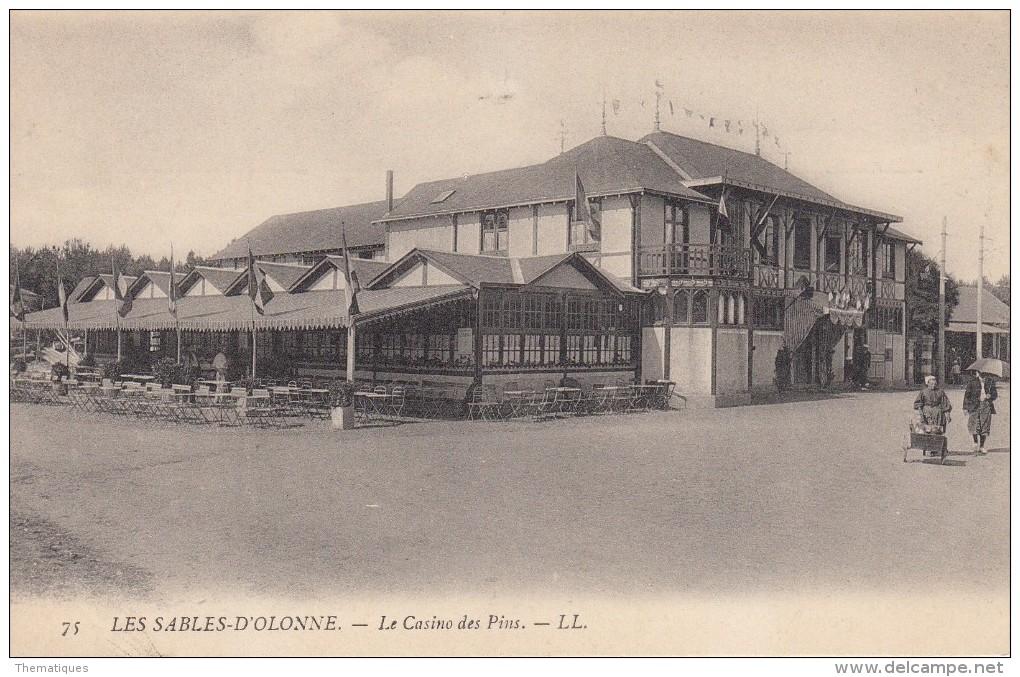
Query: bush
{"points": [[88, 361], [60, 370], [19, 366], [167, 372], [341, 393]]}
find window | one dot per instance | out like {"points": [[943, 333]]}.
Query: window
{"points": [[888, 259], [802, 244], [495, 231], [438, 350], [699, 307], [678, 225], [731, 308], [770, 239], [682, 307], [155, 340], [886, 319], [767, 312], [582, 233], [442, 197], [832, 253]]}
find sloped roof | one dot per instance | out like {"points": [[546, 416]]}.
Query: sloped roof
{"points": [[159, 278], [367, 270], [701, 160], [312, 231], [993, 311], [286, 274], [81, 288], [606, 165], [310, 310], [221, 278], [477, 270], [894, 234]]}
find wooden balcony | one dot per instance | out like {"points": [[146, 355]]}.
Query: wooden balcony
{"points": [[695, 260]]}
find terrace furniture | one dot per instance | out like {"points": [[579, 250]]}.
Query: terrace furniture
{"points": [[259, 408], [481, 403], [394, 406]]}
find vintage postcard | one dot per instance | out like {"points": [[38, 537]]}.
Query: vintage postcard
{"points": [[510, 334]]}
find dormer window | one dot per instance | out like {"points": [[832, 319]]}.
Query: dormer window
{"points": [[442, 197]]}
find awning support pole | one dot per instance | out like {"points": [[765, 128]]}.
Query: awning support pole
{"points": [[352, 343]]}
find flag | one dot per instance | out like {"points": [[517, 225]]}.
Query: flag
{"points": [[581, 210], [258, 288], [711, 122], [120, 292], [724, 215], [17, 302], [351, 277], [616, 106], [62, 295], [171, 301]]}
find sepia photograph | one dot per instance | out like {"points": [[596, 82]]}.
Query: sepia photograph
{"points": [[510, 333]]}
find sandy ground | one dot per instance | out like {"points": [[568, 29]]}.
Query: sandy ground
{"points": [[779, 499]]}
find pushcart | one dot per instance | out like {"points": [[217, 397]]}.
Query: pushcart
{"points": [[929, 444]]}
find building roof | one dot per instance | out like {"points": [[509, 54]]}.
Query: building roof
{"points": [[993, 311], [606, 165], [221, 278], [477, 270], [367, 270], [81, 288], [310, 310], [894, 234], [286, 274], [313, 231], [706, 163]]}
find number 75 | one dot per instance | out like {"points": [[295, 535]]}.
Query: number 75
{"points": [[68, 626]]}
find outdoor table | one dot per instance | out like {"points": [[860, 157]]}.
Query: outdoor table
{"points": [[518, 400], [313, 400], [141, 378], [372, 402]]}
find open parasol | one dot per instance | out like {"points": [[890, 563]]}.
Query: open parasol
{"points": [[990, 365]]}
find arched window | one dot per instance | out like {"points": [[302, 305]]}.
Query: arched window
{"points": [[699, 307], [681, 307]]}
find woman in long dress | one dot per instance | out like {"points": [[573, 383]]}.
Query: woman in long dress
{"points": [[933, 404]]}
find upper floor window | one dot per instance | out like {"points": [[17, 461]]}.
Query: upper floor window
{"points": [[770, 241], [832, 253], [495, 231], [583, 233], [678, 224], [888, 260], [802, 243]]}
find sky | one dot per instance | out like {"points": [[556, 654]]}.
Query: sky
{"points": [[192, 128]]}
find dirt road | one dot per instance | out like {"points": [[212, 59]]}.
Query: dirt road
{"points": [[774, 499]]}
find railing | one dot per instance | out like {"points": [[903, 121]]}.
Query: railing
{"points": [[695, 260]]}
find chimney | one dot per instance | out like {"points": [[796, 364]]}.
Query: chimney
{"points": [[389, 191]]}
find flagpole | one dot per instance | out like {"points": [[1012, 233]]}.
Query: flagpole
{"points": [[173, 297], [63, 311], [351, 348]]}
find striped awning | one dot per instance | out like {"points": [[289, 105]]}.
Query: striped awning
{"points": [[302, 311]]}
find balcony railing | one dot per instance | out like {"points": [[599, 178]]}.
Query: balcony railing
{"points": [[695, 260]]}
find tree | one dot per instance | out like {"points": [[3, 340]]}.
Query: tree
{"points": [[1001, 289], [922, 294]]}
